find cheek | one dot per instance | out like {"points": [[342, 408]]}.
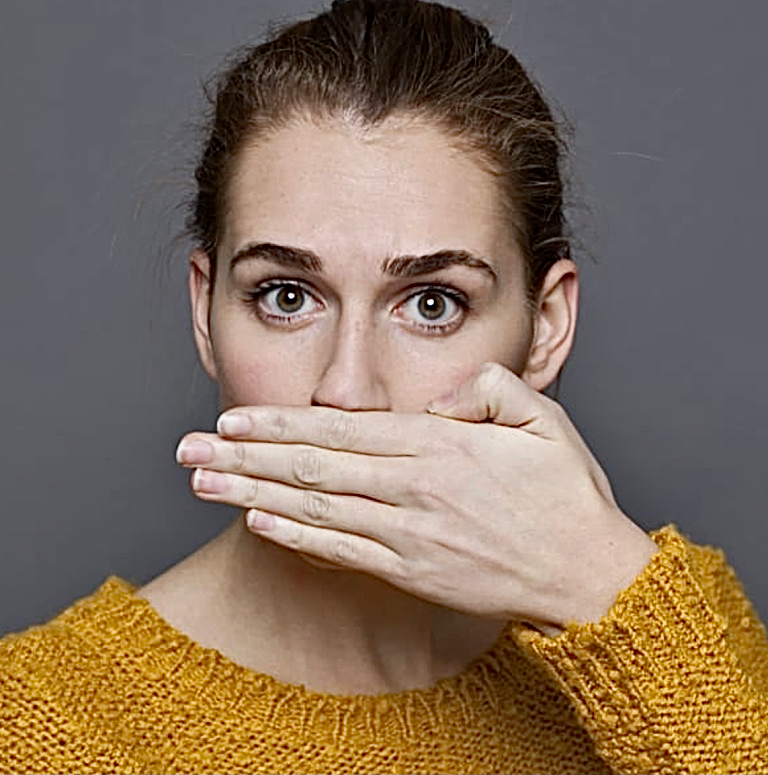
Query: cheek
{"points": [[266, 369], [423, 373], [256, 367], [422, 381]]}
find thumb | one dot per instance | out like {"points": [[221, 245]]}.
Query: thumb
{"points": [[492, 394]]}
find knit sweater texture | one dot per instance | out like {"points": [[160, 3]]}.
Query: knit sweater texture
{"points": [[673, 679]]}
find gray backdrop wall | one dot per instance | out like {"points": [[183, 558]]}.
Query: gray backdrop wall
{"points": [[99, 378]]}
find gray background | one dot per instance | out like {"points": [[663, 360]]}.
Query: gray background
{"points": [[97, 102]]}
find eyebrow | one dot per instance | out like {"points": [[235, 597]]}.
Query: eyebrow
{"points": [[399, 266]]}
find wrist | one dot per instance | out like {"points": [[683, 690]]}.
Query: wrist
{"points": [[620, 558], [613, 562]]}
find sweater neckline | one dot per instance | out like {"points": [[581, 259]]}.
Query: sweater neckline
{"points": [[117, 621]]}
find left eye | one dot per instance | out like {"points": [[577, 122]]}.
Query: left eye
{"points": [[433, 309], [288, 298], [284, 303]]}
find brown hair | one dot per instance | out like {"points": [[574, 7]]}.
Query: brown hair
{"points": [[372, 59]]}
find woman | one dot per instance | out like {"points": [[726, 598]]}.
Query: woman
{"points": [[429, 572]]}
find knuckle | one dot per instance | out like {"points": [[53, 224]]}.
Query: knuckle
{"points": [[425, 491], [278, 427], [252, 497], [239, 456], [315, 506], [293, 538], [306, 467], [340, 430], [400, 572], [491, 375], [342, 551]]}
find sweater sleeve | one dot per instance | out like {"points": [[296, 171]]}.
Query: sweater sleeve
{"points": [[674, 678]]}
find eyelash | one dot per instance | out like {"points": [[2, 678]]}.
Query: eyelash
{"points": [[456, 296], [256, 297]]}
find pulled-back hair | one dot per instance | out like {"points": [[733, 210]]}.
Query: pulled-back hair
{"points": [[369, 60]]}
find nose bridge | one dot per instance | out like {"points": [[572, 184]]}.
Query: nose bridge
{"points": [[353, 374]]}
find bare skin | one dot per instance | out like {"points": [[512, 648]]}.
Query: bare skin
{"points": [[314, 314]]}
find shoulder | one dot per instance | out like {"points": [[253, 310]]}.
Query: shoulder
{"points": [[75, 633], [79, 642], [49, 682]]}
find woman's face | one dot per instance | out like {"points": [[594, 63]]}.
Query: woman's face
{"points": [[359, 270]]}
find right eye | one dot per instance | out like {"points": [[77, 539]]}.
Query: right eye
{"points": [[284, 303]]}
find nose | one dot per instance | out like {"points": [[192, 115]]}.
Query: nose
{"points": [[354, 376]]}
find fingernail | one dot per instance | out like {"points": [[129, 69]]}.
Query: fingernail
{"points": [[259, 520], [194, 452], [442, 402], [211, 482], [233, 424]]}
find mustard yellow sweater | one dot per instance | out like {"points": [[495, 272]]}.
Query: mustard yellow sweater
{"points": [[673, 679]]}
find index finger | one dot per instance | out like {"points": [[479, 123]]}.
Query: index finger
{"points": [[368, 432]]}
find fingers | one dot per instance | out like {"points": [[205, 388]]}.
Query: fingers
{"points": [[367, 433], [495, 394], [350, 551], [299, 465], [320, 509]]}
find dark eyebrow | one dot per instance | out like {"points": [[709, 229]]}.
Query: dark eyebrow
{"points": [[413, 266], [295, 258], [399, 266]]}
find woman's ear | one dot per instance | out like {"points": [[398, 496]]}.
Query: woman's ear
{"points": [[554, 324], [200, 289]]}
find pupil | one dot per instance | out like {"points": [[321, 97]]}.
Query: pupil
{"points": [[431, 306], [289, 299]]}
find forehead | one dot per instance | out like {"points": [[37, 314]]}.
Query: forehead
{"points": [[332, 187]]}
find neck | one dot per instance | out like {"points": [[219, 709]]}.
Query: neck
{"points": [[336, 631]]}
